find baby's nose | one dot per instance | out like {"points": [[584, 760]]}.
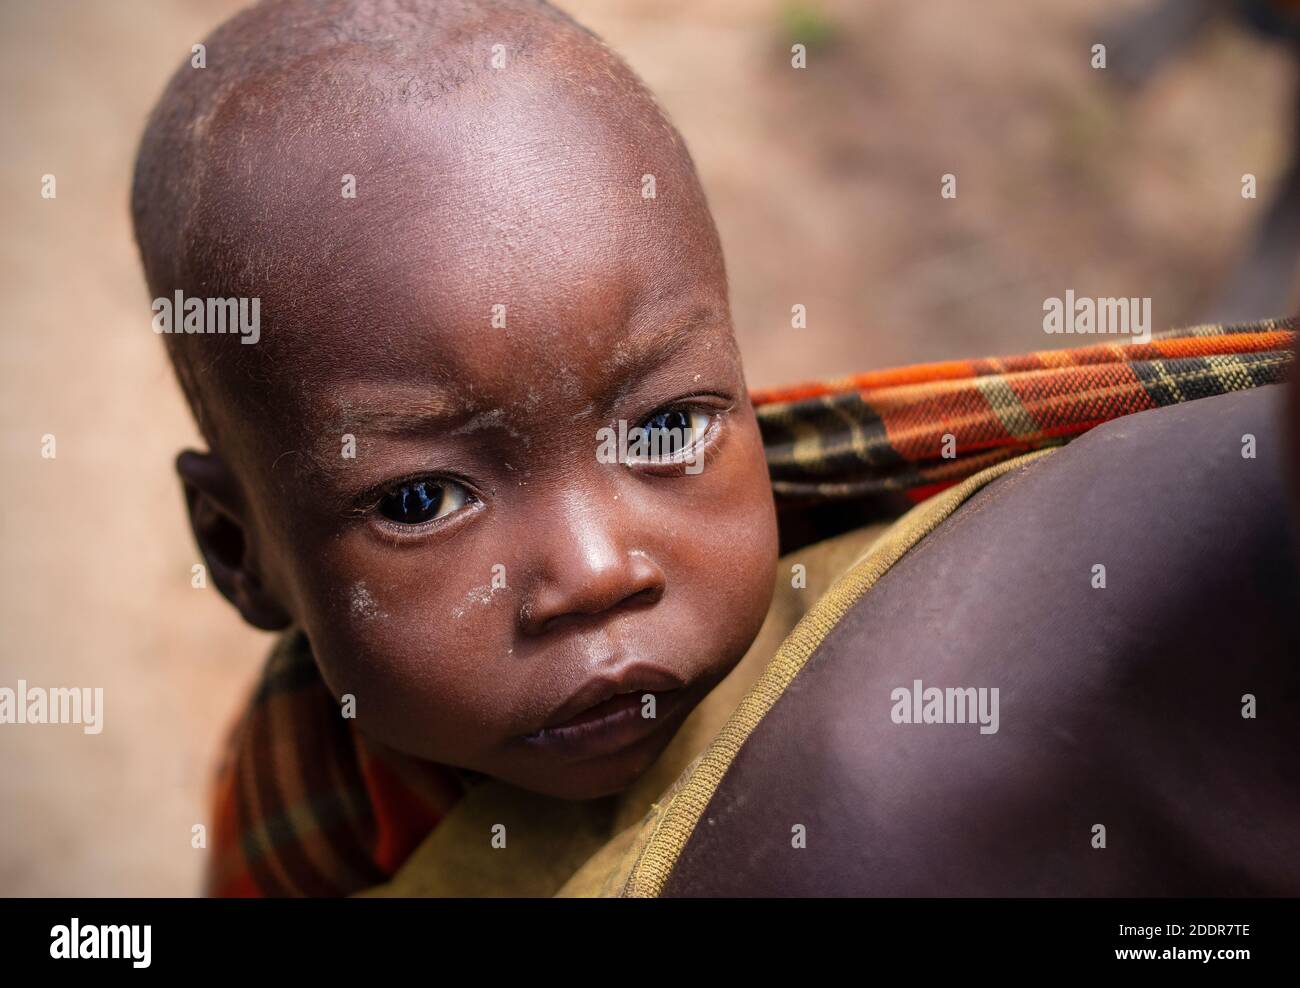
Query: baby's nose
{"points": [[589, 576]]}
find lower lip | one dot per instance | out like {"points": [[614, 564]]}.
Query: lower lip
{"points": [[607, 727]]}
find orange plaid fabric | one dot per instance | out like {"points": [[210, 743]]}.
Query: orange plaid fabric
{"points": [[922, 428]]}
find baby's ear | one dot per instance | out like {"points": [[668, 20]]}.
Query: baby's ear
{"points": [[217, 518]]}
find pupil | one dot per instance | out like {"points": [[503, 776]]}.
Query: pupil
{"points": [[676, 421], [412, 503]]}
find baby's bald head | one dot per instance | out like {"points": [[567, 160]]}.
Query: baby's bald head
{"points": [[466, 127]]}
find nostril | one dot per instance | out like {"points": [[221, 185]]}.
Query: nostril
{"points": [[642, 598], [646, 597]]}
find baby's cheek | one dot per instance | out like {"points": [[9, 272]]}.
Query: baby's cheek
{"points": [[742, 577], [413, 665], [732, 562]]}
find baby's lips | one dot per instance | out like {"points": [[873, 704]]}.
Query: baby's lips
{"points": [[633, 677]]}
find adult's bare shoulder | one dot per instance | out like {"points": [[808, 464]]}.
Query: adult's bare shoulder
{"points": [[1132, 600]]}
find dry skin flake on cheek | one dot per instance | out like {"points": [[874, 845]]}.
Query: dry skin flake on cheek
{"points": [[476, 595], [361, 603]]}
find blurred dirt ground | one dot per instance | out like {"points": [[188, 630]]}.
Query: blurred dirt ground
{"points": [[825, 184]]}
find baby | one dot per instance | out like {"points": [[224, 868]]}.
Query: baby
{"points": [[479, 250]]}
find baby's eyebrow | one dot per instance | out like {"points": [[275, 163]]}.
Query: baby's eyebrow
{"points": [[403, 411], [366, 409], [416, 415], [645, 352], [388, 409]]}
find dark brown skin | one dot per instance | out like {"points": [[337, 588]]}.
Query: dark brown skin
{"points": [[522, 189]]}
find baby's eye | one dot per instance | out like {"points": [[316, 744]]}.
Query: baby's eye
{"points": [[418, 501], [670, 432]]}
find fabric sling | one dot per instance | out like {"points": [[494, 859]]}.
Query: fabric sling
{"points": [[306, 805], [884, 431]]}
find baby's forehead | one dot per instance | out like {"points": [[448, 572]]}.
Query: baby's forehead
{"points": [[456, 259], [524, 197]]}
